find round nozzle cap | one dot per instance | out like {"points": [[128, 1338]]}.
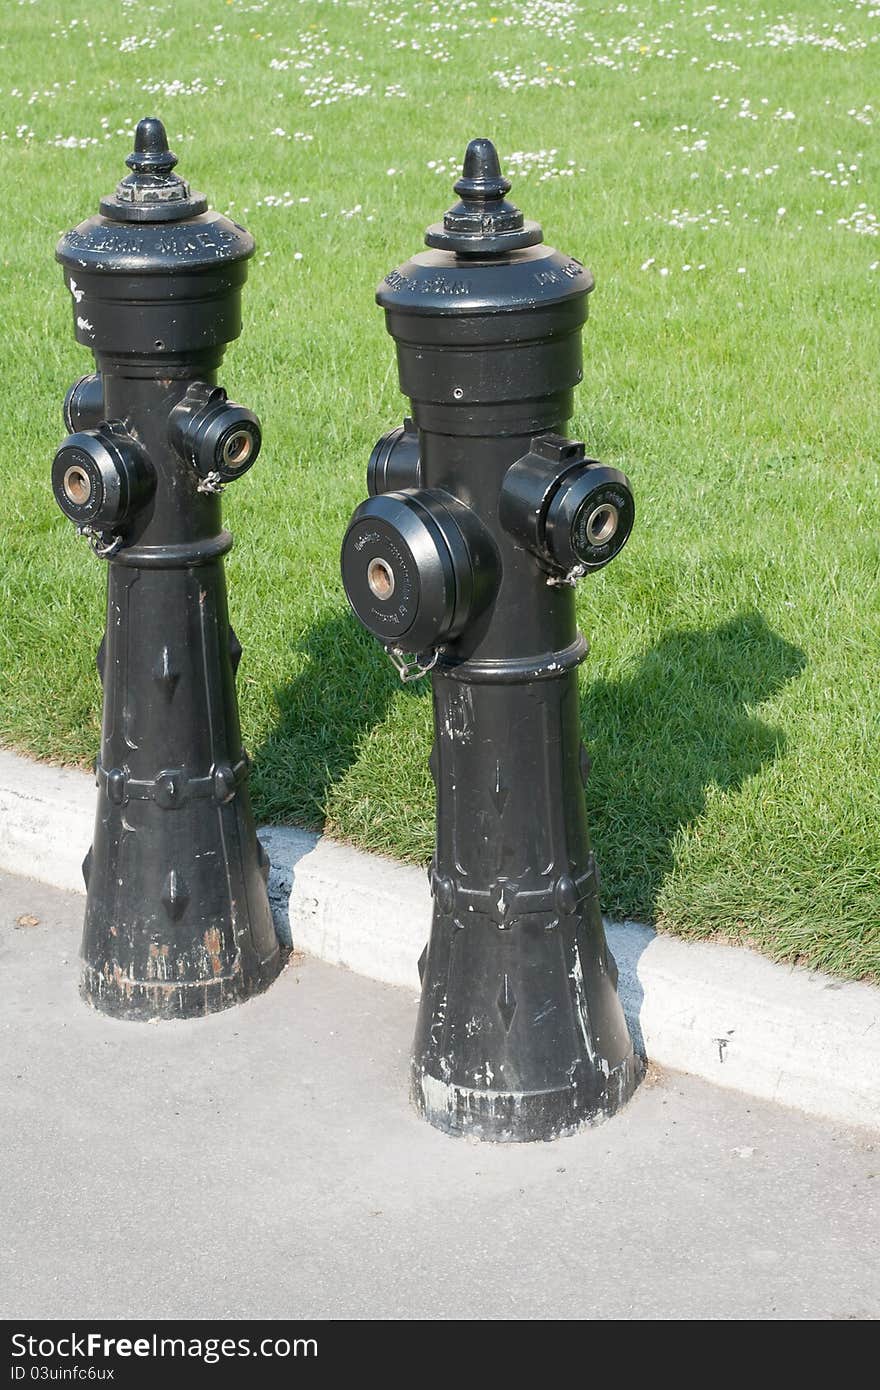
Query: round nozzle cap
{"points": [[483, 223], [152, 192]]}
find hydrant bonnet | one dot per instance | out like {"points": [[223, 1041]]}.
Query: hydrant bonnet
{"points": [[154, 242]]}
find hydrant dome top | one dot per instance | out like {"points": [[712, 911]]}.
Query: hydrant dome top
{"points": [[153, 222], [483, 223], [152, 192], [484, 258]]}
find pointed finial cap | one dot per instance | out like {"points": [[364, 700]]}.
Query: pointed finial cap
{"points": [[151, 154], [483, 223], [481, 176], [152, 192]]}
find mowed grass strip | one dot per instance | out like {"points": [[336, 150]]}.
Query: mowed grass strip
{"points": [[716, 166]]}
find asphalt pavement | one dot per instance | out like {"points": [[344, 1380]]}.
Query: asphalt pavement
{"points": [[265, 1163]]}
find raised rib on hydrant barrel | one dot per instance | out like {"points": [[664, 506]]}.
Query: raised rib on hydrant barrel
{"points": [[177, 916], [463, 560]]}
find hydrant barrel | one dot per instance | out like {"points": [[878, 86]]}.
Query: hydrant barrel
{"points": [[520, 1034], [177, 915]]}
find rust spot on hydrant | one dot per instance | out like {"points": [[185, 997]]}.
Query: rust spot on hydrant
{"points": [[212, 946], [113, 971]]}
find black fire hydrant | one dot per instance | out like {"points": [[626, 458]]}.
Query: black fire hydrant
{"points": [[177, 917], [482, 516]]}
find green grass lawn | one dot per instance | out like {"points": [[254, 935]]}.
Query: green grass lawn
{"points": [[717, 168]]}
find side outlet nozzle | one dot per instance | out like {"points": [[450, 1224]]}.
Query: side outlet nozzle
{"points": [[395, 462], [213, 434], [84, 404], [100, 477], [416, 567], [573, 513]]}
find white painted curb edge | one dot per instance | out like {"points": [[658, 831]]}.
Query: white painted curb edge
{"points": [[727, 1014]]}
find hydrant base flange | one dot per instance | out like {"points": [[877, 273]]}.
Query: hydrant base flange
{"points": [[113, 994], [504, 1117]]}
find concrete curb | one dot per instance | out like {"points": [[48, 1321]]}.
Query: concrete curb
{"points": [[720, 1012]]}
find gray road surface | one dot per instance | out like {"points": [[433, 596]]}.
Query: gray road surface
{"points": [[265, 1163]]}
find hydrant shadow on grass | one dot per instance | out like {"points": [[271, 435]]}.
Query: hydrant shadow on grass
{"points": [[679, 723], [659, 738], [343, 688]]}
